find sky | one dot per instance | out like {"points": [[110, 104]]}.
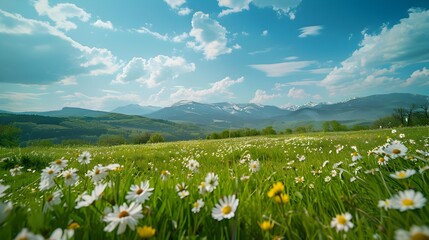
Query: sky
{"points": [[104, 54]]}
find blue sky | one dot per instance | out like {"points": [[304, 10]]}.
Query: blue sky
{"points": [[105, 54]]}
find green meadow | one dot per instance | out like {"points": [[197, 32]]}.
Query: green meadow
{"points": [[356, 185]]}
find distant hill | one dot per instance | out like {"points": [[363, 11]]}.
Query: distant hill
{"points": [[135, 109], [69, 112]]}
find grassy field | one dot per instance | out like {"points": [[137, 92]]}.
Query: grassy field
{"points": [[313, 186]]}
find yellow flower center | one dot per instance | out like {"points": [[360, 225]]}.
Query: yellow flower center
{"points": [[97, 171], [419, 236], [381, 159], [355, 154], [123, 214], [50, 171], [396, 151], [266, 225], [163, 172], [401, 174], [58, 162], [203, 184], [146, 232], [49, 199], [139, 191], [226, 210], [74, 225], [196, 205], [341, 219], [408, 202], [68, 176]]}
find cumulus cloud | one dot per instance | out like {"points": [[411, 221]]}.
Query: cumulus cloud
{"points": [[106, 25], [68, 81], [175, 3], [283, 68], [152, 71], [310, 31], [61, 13], [184, 11], [382, 57], [418, 78], [261, 96], [217, 88], [108, 98], [23, 44], [297, 93], [280, 6], [210, 36]]}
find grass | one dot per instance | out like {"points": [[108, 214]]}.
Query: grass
{"points": [[354, 187]]}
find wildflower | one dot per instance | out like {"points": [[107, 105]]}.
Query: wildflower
{"points": [[164, 175], [395, 149], [383, 160], [327, 179], [84, 158], [139, 193], [311, 186], [316, 172], [299, 179], [114, 167], [25, 234], [336, 165], [70, 176], [386, 204], [123, 216], [47, 178], [334, 173], [266, 225], [245, 178], [52, 200], [372, 171], [424, 168], [73, 226], [60, 164], [356, 156], [180, 187], [408, 200], [352, 179], [211, 182], [325, 163], [193, 165], [403, 174], [225, 208], [342, 222], [59, 234], [87, 200], [198, 205], [3, 188], [15, 171], [5, 209], [277, 192], [98, 173], [254, 166], [401, 135], [146, 232], [202, 188], [393, 131], [183, 194], [416, 232]]}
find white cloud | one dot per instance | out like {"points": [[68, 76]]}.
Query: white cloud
{"points": [[217, 88], [236, 46], [180, 38], [102, 102], [261, 96], [264, 33], [61, 13], [154, 70], [184, 11], [381, 57], [279, 86], [175, 3], [46, 63], [266, 50], [234, 6], [209, 35], [418, 78], [282, 7], [20, 96], [297, 93], [310, 31], [282, 69], [157, 35], [105, 25], [68, 81]]}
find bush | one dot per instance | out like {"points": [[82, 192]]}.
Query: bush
{"points": [[156, 138], [111, 140]]}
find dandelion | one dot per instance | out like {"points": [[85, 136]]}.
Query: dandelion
{"points": [[84, 158], [277, 192], [408, 200], [123, 216], [226, 208], [299, 179], [211, 182], [403, 174], [254, 166], [86, 200], [416, 232], [52, 200], [342, 222], [139, 193], [146, 232], [197, 205], [266, 225], [25, 234], [60, 164], [164, 175], [395, 149], [386, 204], [70, 176], [3, 188]]}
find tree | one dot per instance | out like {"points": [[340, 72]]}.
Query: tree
{"points": [[425, 107], [288, 131], [156, 138], [400, 114], [268, 131], [9, 136], [140, 138], [110, 140]]}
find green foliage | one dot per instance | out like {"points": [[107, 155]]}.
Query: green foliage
{"points": [[110, 140], [156, 138], [140, 137], [41, 143], [9, 136], [333, 126], [234, 133], [288, 131], [269, 131]]}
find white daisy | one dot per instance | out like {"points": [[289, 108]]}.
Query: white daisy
{"points": [[183, 194], [123, 216], [70, 176], [342, 222], [211, 182], [59, 234], [164, 175], [225, 208], [254, 166], [327, 179], [15, 171], [98, 173], [403, 174], [356, 156], [395, 149], [139, 193], [386, 204], [25, 234], [86, 200], [198, 205], [84, 158], [383, 160], [408, 200], [193, 165], [3, 188], [416, 232], [52, 200], [60, 164]]}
